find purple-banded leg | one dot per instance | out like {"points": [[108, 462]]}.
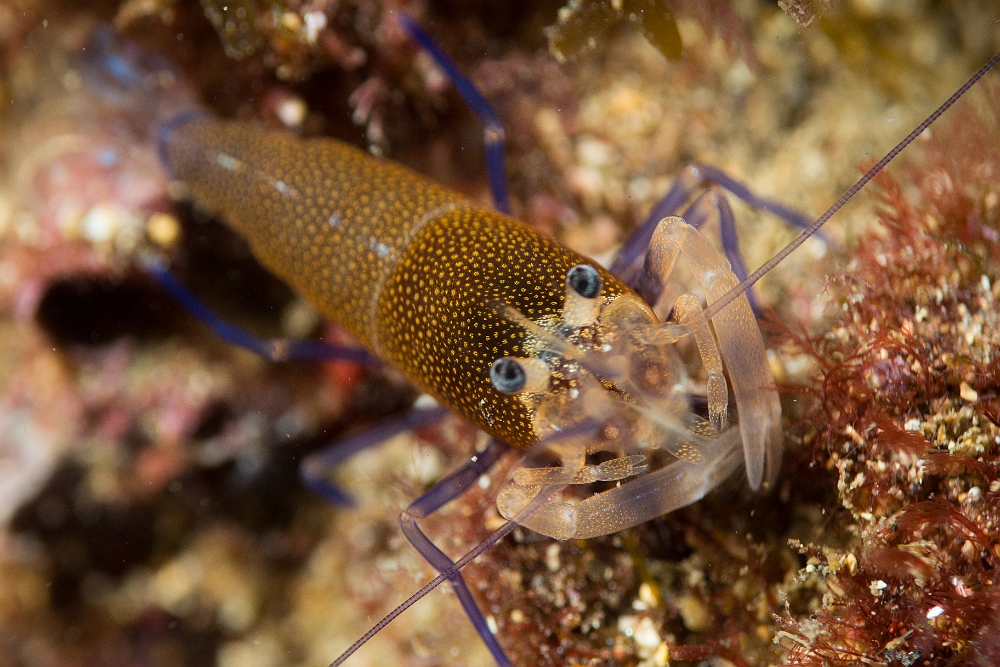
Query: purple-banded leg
{"points": [[315, 469], [494, 135], [122, 62], [628, 263], [274, 349], [444, 492], [167, 128]]}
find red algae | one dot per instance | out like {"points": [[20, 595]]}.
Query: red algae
{"points": [[904, 413]]}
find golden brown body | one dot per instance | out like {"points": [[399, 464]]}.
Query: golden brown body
{"points": [[411, 268], [491, 319]]}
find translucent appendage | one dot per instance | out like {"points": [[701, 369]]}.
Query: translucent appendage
{"points": [[739, 340], [609, 471], [607, 379]]}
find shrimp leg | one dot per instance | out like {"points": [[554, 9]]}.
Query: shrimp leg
{"points": [[671, 487], [494, 134], [442, 493], [628, 263], [716, 453], [272, 349], [315, 469]]}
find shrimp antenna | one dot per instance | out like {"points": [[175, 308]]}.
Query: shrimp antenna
{"points": [[546, 495], [747, 283]]}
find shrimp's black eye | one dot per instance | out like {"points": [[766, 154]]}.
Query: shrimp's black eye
{"points": [[585, 281], [507, 375]]}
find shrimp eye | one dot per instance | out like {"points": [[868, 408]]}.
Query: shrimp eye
{"points": [[585, 281], [507, 375]]}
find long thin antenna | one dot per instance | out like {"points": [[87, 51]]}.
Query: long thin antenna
{"points": [[497, 535], [726, 298], [543, 497]]}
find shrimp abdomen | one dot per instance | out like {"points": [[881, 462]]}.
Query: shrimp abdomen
{"points": [[324, 216]]}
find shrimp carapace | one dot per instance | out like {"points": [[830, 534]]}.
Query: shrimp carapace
{"points": [[412, 269]]}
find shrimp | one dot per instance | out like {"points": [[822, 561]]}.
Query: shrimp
{"points": [[514, 332], [595, 376], [541, 348]]}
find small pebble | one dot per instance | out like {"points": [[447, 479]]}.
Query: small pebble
{"points": [[694, 613], [968, 393], [163, 229]]}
